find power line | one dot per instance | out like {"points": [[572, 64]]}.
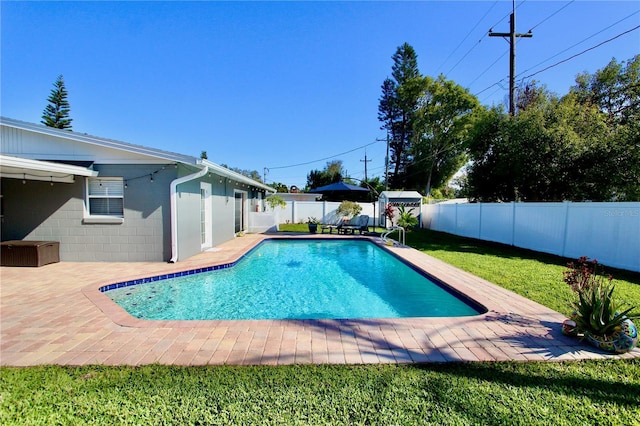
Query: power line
{"points": [[581, 41], [464, 39], [583, 52], [551, 16], [513, 36], [321, 159], [546, 60]]}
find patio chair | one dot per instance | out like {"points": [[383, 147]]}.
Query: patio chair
{"points": [[360, 223], [331, 226]]}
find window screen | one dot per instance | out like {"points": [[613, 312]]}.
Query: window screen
{"points": [[106, 197]]}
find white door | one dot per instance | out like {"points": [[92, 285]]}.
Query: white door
{"points": [[240, 211], [206, 228]]}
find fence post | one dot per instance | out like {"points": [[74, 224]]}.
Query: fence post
{"points": [[566, 227], [513, 223], [324, 211], [480, 221]]}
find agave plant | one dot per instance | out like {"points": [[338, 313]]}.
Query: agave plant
{"points": [[597, 311]]}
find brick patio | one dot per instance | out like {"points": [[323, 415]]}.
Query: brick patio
{"points": [[55, 314]]}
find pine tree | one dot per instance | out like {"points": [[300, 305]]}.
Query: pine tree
{"points": [[56, 113], [396, 109]]}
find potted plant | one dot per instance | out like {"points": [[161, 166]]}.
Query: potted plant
{"points": [[312, 222], [598, 316]]}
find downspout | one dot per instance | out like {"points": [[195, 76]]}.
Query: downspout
{"points": [[174, 209]]}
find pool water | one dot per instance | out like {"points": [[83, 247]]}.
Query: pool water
{"points": [[294, 279]]}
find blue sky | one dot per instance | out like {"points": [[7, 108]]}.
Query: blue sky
{"points": [[276, 84]]}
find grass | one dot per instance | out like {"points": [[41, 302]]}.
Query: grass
{"points": [[593, 392], [534, 275], [532, 393]]}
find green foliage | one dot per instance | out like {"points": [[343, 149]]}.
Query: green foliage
{"points": [[397, 107], [389, 213], [56, 113], [614, 90], [497, 393], [442, 120], [203, 155], [332, 173], [279, 186], [252, 174], [406, 219], [274, 201], [583, 146], [596, 310], [313, 220], [348, 209]]}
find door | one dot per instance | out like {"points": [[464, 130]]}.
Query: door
{"points": [[206, 228], [239, 212]]}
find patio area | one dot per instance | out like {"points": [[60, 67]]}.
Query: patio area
{"points": [[55, 314]]}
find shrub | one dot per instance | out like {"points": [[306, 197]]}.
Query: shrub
{"points": [[596, 309], [389, 213], [349, 209], [406, 219], [275, 201]]}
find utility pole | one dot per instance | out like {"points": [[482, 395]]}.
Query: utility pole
{"points": [[512, 57], [365, 161]]}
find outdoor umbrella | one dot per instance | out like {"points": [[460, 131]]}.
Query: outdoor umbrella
{"points": [[340, 191]]}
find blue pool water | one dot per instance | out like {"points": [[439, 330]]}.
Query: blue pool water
{"points": [[293, 279]]}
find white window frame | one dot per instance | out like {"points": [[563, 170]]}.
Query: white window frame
{"points": [[93, 218]]}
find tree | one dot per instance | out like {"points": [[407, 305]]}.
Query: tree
{"points": [[554, 149], [332, 173], [615, 90], [56, 113], [397, 107], [252, 174], [279, 186], [442, 120], [274, 201]]}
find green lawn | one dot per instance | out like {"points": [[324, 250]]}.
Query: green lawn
{"points": [[533, 393], [534, 275], [577, 393]]}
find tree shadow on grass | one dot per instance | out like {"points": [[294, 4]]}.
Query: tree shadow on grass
{"points": [[570, 379], [427, 240]]}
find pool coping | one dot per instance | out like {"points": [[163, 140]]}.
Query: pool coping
{"points": [[79, 325]]}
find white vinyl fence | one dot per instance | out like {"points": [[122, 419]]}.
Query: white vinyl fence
{"points": [[608, 232], [324, 211]]}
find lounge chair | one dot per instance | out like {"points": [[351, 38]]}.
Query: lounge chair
{"points": [[331, 226], [360, 224]]}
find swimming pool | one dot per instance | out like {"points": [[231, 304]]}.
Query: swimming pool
{"points": [[296, 279]]}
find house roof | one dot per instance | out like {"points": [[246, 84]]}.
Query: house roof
{"points": [[130, 148], [400, 194]]}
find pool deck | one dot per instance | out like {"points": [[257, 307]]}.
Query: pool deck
{"points": [[55, 314]]}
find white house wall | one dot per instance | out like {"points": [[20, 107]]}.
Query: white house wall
{"points": [[222, 213]]}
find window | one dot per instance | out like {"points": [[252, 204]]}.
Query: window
{"points": [[105, 200]]}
